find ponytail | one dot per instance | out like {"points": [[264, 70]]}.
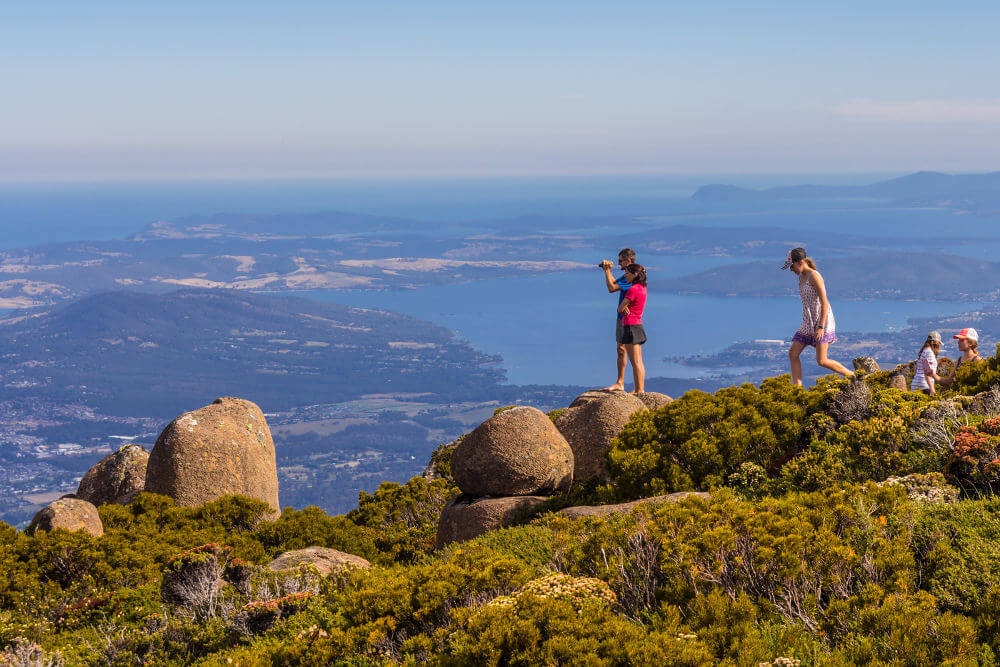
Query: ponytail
{"points": [[639, 272], [810, 263]]}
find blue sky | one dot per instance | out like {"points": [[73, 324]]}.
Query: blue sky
{"points": [[315, 89]]}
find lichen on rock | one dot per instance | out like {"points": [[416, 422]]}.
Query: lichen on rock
{"points": [[221, 449], [516, 452], [72, 514], [116, 478]]}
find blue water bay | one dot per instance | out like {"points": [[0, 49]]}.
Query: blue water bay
{"points": [[559, 329]]}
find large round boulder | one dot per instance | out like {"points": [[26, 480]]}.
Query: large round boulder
{"points": [[221, 449], [653, 400], [592, 425], [517, 452], [327, 561], [465, 518], [71, 514], [116, 478]]}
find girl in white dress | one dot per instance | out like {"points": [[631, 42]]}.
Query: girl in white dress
{"points": [[818, 327]]}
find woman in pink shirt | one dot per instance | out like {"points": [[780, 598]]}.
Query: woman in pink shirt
{"points": [[633, 335]]}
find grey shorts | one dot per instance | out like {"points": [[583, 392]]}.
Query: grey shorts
{"points": [[630, 334]]}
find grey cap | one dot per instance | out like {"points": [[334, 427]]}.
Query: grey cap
{"points": [[934, 335], [794, 255]]}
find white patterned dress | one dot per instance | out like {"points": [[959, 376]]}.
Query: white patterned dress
{"points": [[812, 310]]}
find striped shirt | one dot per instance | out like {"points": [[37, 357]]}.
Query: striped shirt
{"points": [[919, 379]]}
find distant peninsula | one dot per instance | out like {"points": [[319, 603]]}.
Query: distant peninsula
{"points": [[182, 348]]}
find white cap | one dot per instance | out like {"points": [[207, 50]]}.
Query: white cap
{"points": [[969, 333]]}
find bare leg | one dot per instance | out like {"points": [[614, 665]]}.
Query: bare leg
{"points": [[828, 363], [620, 384], [638, 368], [793, 358]]}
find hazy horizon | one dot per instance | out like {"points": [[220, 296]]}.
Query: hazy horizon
{"points": [[252, 90]]}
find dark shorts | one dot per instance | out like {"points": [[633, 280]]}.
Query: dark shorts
{"points": [[630, 334]]}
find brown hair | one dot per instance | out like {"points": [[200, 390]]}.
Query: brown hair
{"points": [[627, 253], [810, 263], [929, 343], [639, 272]]}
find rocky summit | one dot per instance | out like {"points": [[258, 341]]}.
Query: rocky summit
{"points": [[221, 449]]}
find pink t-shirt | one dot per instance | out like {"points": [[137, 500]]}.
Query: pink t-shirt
{"points": [[636, 295]]}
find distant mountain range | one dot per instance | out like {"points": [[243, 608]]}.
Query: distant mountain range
{"points": [[922, 276], [928, 188]]}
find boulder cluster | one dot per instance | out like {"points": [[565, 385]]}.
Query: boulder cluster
{"points": [[505, 467], [515, 460], [220, 449]]}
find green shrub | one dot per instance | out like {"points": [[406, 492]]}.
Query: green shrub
{"points": [[546, 631], [298, 529], [902, 628], [581, 592], [977, 377], [404, 517], [439, 466], [697, 441], [808, 558], [750, 478], [958, 548]]}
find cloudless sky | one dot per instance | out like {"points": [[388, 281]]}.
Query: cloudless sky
{"points": [[315, 89]]}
